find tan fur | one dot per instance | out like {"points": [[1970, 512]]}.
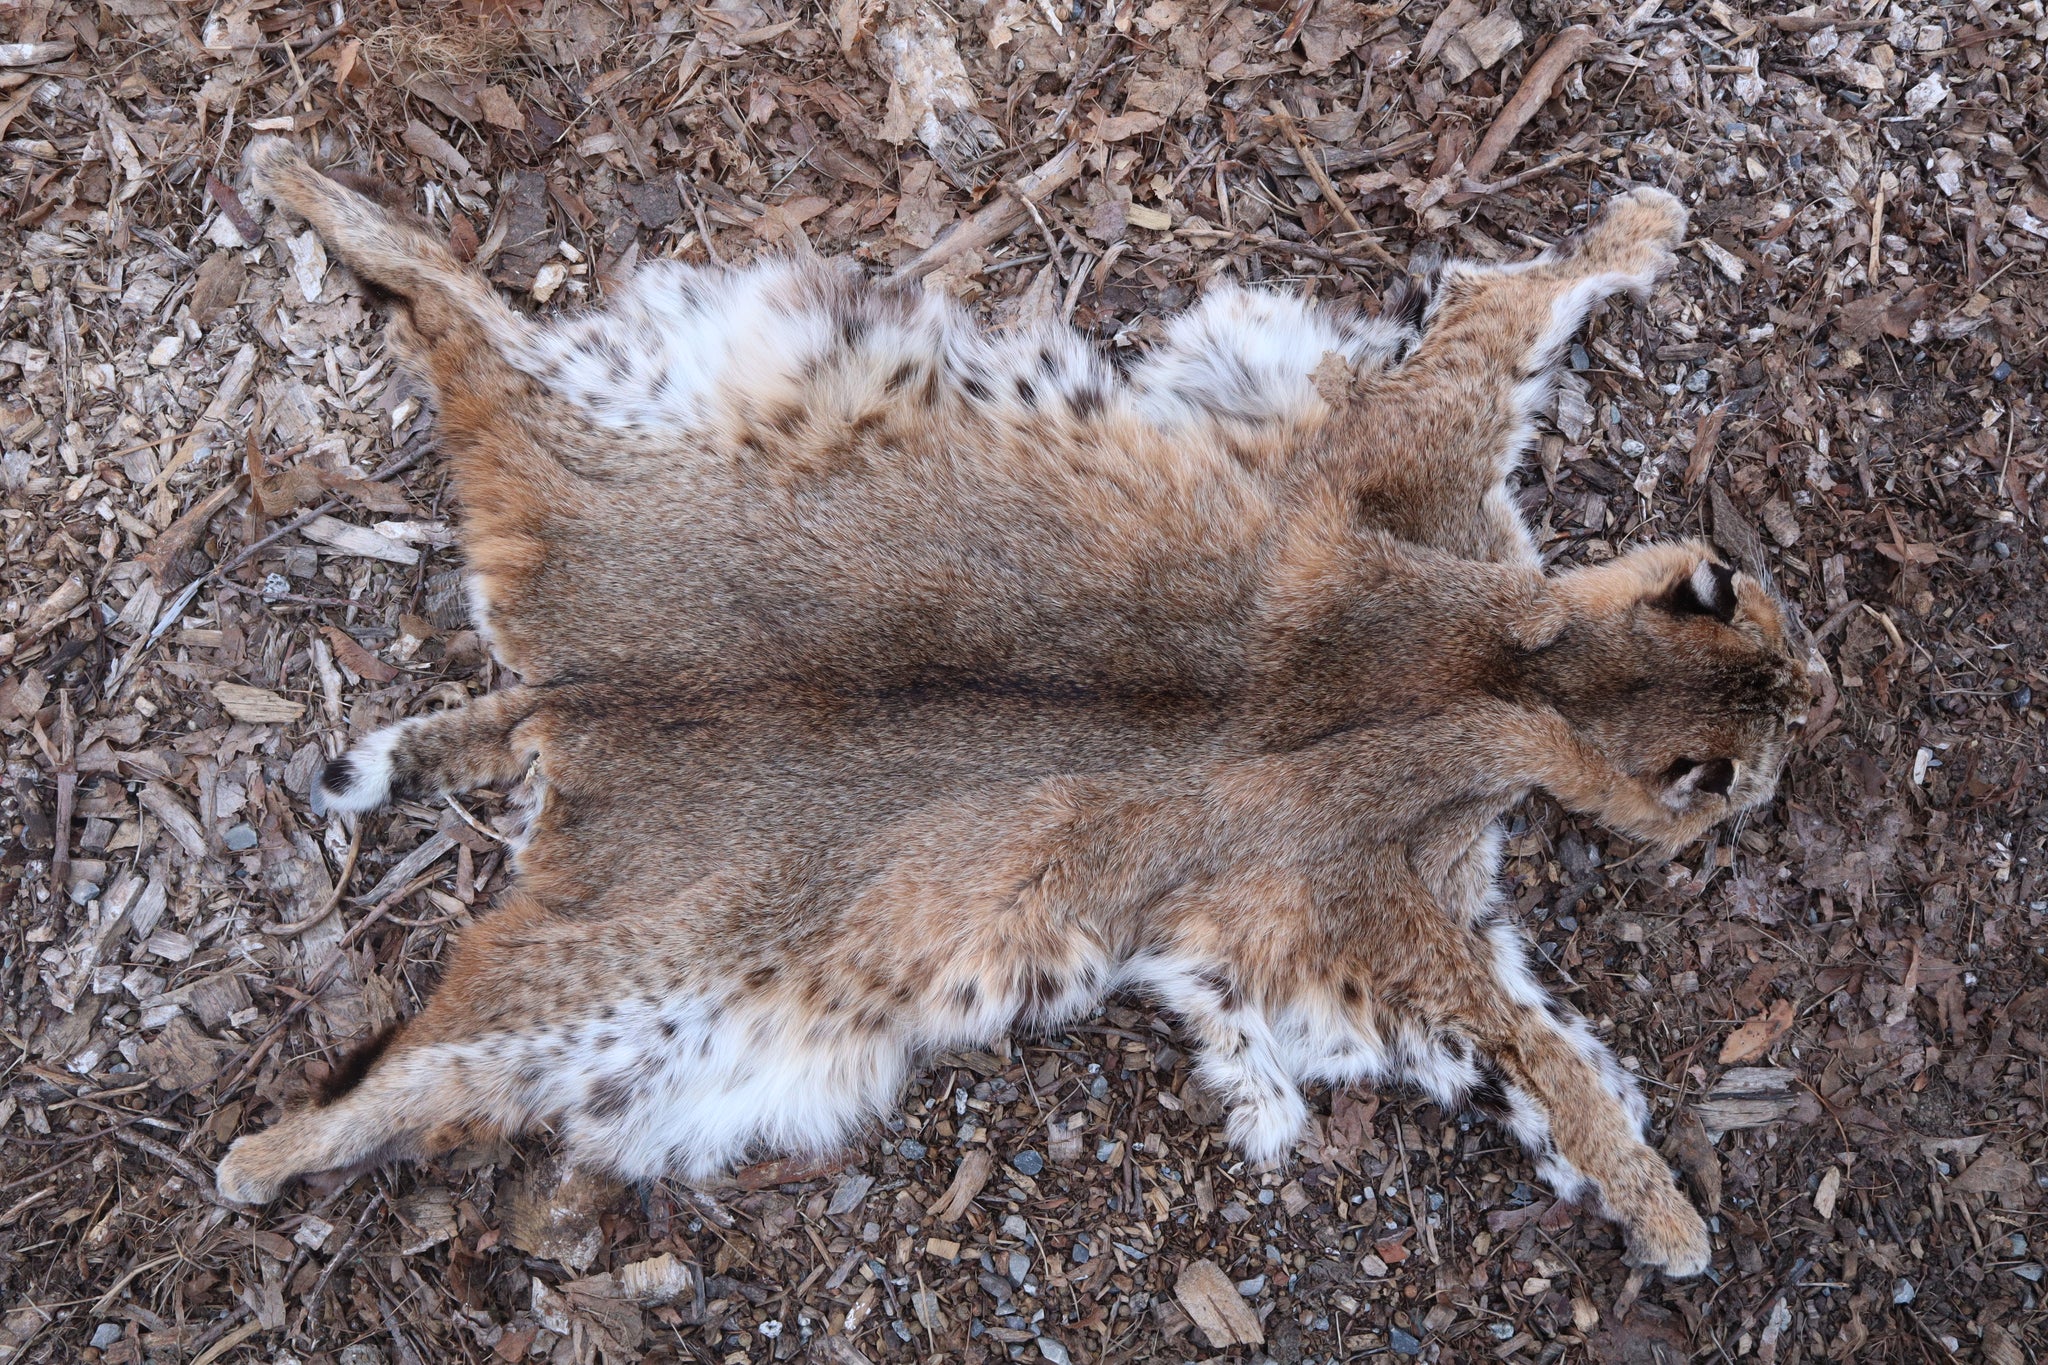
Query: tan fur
{"points": [[890, 693]]}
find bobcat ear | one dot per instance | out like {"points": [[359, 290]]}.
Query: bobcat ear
{"points": [[1708, 591], [1716, 777]]}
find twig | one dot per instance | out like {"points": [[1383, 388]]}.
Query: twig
{"points": [[1276, 246], [1314, 166], [293, 928], [1474, 188], [322, 976], [997, 220], [1537, 85], [67, 794], [200, 1183], [327, 1272]]}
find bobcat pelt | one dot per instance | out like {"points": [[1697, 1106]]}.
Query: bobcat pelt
{"points": [[890, 686]]}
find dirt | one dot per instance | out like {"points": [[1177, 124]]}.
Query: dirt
{"points": [[227, 549]]}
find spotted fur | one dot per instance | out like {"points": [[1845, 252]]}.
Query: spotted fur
{"points": [[889, 687]]}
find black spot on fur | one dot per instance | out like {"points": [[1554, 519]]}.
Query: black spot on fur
{"points": [[1040, 989], [1490, 1096], [1087, 401], [1047, 364], [1026, 394], [905, 372], [668, 1028], [761, 976], [1227, 994], [853, 329], [974, 389], [611, 1097], [346, 1074], [967, 995], [1353, 994]]}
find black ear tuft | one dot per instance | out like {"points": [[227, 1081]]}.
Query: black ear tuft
{"points": [[1717, 775], [1708, 591]]}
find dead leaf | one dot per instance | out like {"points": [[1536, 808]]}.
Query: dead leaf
{"points": [[1706, 438], [1688, 1147], [1217, 1308], [181, 1057], [1829, 1191], [1996, 1171], [1755, 1038], [356, 658], [217, 287], [1890, 315], [500, 109]]}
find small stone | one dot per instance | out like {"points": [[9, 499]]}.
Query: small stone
{"points": [[1028, 1162], [276, 587], [1019, 1267], [105, 1335], [166, 350], [910, 1149], [1053, 1351], [240, 839], [1403, 1343], [1253, 1287], [1904, 1292], [84, 893]]}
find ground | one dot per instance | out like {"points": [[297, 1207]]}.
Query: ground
{"points": [[227, 550]]}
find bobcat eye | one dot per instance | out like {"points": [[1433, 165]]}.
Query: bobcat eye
{"points": [[1708, 591]]}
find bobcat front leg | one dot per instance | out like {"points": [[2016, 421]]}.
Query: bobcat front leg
{"points": [[1433, 441], [449, 751], [1570, 1102]]}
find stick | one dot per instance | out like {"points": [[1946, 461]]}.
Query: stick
{"points": [[293, 928], [998, 220], [1537, 86], [1314, 165]]}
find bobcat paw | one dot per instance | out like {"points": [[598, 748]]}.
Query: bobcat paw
{"points": [[1668, 1234], [360, 779], [241, 1177], [1635, 234], [1265, 1129]]}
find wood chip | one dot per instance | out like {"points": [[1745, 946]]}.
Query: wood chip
{"points": [[257, 705], [176, 818], [361, 541], [34, 54], [1747, 1097], [1209, 1297], [972, 1174]]}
